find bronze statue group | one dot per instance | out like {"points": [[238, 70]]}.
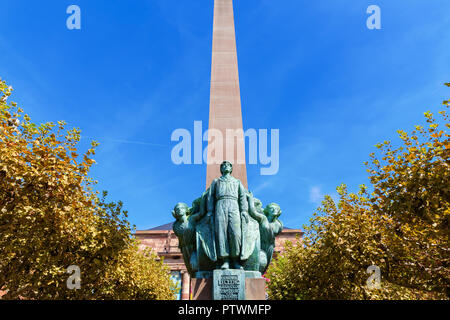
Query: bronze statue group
{"points": [[226, 228]]}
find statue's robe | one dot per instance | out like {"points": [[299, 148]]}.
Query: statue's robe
{"points": [[185, 231], [268, 230], [205, 239], [251, 244], [204, 256], [196, 241], [227, 199]]}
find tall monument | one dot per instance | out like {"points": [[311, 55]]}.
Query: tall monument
{"points": [[227, 237], [225, 99]]}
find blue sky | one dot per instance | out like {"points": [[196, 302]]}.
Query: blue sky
{"points": [[137, 70]]}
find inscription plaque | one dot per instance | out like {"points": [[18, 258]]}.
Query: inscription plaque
{"points": [[229, 284]]}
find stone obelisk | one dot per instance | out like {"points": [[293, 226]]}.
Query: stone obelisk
{"points": [[225, 115], [220, 237]]}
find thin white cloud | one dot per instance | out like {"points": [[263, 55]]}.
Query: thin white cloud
{"points": [[315, 194], [260, 187], [126, 141]]}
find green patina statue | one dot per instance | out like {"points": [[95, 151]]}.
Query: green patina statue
{"points": [[226, 228], [227, 201]]}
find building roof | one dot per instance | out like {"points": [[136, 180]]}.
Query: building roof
{"points": [[168, 226]]}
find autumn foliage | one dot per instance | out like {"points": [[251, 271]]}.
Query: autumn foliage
{"points": [[400, 226], [51, 218]]}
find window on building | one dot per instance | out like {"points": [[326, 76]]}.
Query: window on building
{"points": [[175, 276]]}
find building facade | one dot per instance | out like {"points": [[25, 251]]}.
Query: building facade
{"points": [[164, 242]]}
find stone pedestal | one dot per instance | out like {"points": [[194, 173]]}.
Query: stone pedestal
{"points": [[201, 289], [229, 284], [251, 284]]}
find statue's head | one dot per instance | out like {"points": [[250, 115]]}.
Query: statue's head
{"points": [[180, 210], [226, 167], [272, 211]]}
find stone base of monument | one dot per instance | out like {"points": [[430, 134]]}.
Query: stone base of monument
{"points": [[229, 284]]}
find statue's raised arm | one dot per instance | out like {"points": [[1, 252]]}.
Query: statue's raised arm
{"points": [[252, 210]]}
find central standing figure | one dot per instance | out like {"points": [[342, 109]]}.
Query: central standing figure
{"points": [[227, 200]]}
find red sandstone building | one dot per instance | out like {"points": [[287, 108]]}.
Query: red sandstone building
{"points": [[164, 242]]}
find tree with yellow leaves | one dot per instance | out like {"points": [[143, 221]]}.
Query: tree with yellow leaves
{"points": [[412, 192], [401, 229], [51, 218]]}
